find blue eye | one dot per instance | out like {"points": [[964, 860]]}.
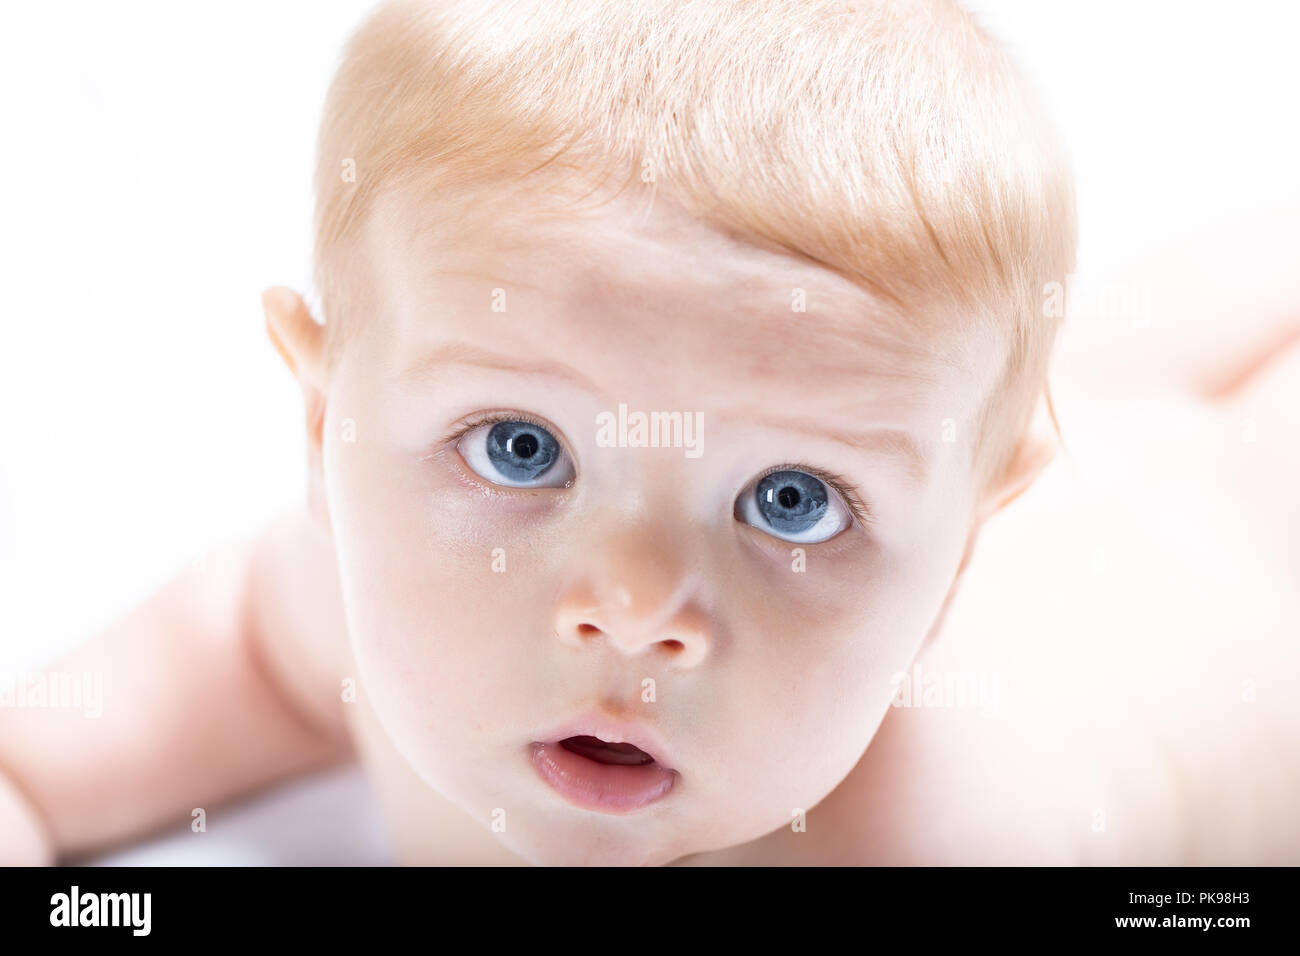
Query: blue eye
{"points": [[518, 454], [793, 506]]}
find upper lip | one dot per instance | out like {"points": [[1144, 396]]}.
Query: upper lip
{"points": [[612, 731]]}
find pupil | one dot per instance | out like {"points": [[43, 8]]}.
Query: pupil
{"points": [[788, 496], [525, 446]]}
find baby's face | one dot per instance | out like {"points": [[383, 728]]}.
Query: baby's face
{"points": [[520, 568]]}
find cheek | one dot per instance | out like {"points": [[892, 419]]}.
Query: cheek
{"points": [[815, 646], [438, 602]]}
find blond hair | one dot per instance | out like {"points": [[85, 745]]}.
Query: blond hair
{"points": [[891, 142]]}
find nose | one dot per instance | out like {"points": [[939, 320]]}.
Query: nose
{"points": [[636, 595]]}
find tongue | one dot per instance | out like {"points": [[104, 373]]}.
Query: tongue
{"points": [[593, 748]]}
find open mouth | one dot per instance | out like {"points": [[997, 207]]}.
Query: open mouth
{"points": [[608, 776], [620, 754]]}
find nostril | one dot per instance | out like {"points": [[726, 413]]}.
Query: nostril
{"points": [[674, 645], [587, 630]]}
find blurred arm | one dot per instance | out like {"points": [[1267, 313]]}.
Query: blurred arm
{"points": [[206, 694], [1198, 317]]}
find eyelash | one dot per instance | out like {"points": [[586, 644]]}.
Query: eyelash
{"points": [[838, 483], [841, 485], [492, 418]]}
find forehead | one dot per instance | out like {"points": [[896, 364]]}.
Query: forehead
{"points": [[650, 304]]}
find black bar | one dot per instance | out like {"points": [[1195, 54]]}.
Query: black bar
{"points": [[924, 906]]}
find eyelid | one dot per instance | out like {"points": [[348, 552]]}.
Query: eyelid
{"points": [[838, 483], [477, 419]]}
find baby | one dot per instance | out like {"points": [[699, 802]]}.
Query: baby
{"points": [[673, 357]]}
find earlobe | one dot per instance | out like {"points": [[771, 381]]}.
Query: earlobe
{"points": [[1033, 453], [298, 337], [300, 340]]}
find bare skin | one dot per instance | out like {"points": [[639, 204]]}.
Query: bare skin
{"points": [[1092, 753]]}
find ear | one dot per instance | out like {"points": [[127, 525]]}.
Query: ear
{"points": [[300, 340], [1034, 452]]}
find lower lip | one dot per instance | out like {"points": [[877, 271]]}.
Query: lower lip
{"points": [[605, 788]]}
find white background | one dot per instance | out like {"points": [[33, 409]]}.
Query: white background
{"points": [[155, 164]]}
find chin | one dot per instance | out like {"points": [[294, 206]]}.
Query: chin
{"points": [[588, 846]]}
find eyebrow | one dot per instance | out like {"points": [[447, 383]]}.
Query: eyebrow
{"points": [[893, 441], [460, 353], [889, 440]]}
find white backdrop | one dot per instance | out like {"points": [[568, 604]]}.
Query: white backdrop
{"points": [[155, 162]]}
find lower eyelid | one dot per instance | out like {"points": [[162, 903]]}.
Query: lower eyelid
{"points": [[841, 552], [467, 476]]}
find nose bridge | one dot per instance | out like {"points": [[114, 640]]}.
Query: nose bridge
{"points": [[642, 577]]}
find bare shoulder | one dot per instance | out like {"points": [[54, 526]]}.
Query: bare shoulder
{"points": [[956, 776], [297, 621], [1140, 610], [936, 788]]}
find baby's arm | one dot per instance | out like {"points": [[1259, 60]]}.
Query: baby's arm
{"points": [[208, 691]]}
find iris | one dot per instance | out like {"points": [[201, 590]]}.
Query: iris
{"points": [[791, 502], [521, 451]]}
